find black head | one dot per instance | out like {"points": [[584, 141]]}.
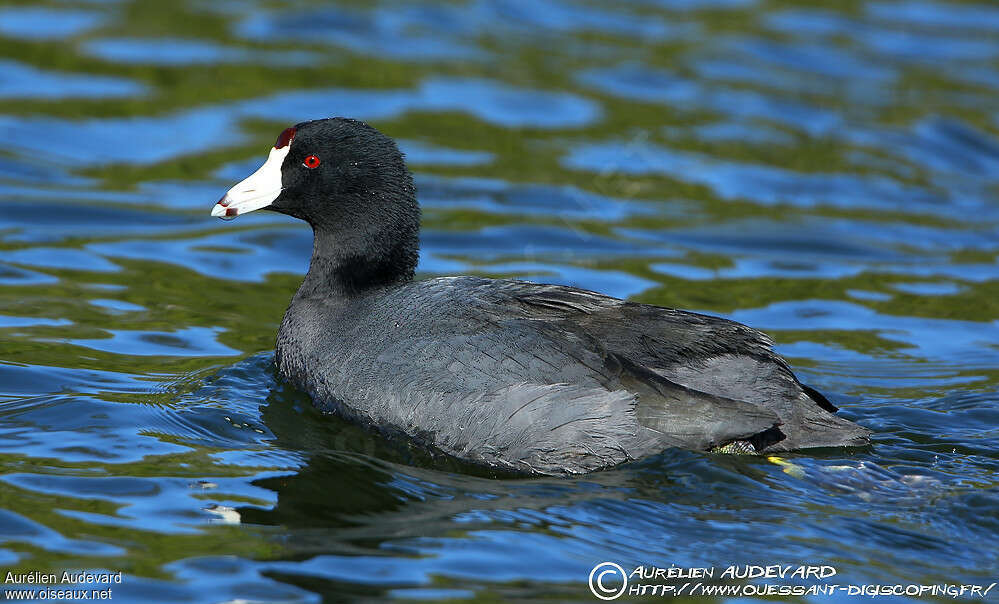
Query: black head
{"points": [[350, 182]]}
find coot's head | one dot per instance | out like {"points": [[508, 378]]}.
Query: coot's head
{"points": [[348, 181]]}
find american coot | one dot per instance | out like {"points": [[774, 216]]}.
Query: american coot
{"points": [[519, 376]]}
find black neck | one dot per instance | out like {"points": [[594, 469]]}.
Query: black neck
{"points": [[344, 266]]}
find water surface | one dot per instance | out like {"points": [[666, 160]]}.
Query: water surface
{"points": [[825, 171]]}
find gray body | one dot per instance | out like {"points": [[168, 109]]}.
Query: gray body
{"points": [[547, 379]]}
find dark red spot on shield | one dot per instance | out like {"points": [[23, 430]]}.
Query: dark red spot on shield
{"points": [[231, 211], [284, 139]]}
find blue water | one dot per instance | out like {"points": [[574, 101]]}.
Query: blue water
{"points": [[826, 172]]}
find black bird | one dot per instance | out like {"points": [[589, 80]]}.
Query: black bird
{"points": [[513, 375]]}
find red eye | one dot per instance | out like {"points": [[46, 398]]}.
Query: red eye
{"points": [[311, 162]]}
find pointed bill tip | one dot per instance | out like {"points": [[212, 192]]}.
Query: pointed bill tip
{"points": [[223, 210]]}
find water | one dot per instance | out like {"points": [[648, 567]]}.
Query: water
{"points": [[828, 172]]}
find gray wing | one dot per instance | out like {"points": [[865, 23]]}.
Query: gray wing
{"points": [[705, 353]]}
